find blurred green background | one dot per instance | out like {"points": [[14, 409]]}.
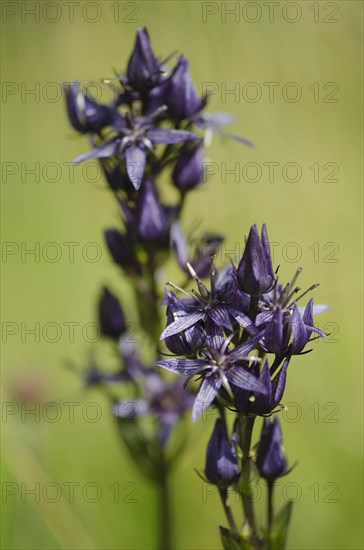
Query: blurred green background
{"points": [[320, 214]]}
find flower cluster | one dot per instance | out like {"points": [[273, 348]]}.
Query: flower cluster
{"points": [[234, 335], [216, 328], [149, 128], [152, 128], [237, 337]]}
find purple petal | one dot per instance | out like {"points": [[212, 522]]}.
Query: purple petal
{"points": [[263, 318], [216, 119], [300, 336], [244, 321], [273, 338], [135, 163], [182, 366], [182, 323], [106, 150], [317, 308], [220, 316], [279, 383], [160, 135], [244, 349], [215, 335], [245, 380], [208, 390]]}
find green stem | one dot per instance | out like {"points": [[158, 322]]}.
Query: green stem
{"points": [[246, 424], [149, 300], [164, 511], [228, 511], [270, 512]]}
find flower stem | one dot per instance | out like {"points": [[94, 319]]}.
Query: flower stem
{"points": [[246, 424], [228, 511], [270, 512], [164, 511]]}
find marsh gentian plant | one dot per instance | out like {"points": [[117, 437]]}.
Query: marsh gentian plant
{"points": [[231, 332]]}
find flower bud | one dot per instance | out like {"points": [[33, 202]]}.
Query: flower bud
{"points": [[84, 113], [152, 223], [221, 460], [255, 270], [271, 461], [188, 171], [143, 67], [121, 249], [183, 100], [111, 317]]}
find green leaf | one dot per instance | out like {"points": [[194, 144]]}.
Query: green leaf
{"points": [[280, 527], [232, 541]]}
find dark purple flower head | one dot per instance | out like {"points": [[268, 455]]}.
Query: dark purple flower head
{"points": [[271, 461], [143, 72], [189, 169], [221, 467], [255, 271], [262, 404], [121, 248], [84, 113], [111, 316], [218, 367], [183, 100], [135, 136], [212, 306]]}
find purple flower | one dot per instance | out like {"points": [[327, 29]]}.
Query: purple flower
{"points": [[270, 460], [189, 169], [213, 307], [262, 404], [121, 248], [165, 401], [218, 368], [135, 136], [187, 342], [183, 100], [84, 113], [143, 72], [255, 271], [288, 331], [221, 467], [111, 317], [152, 220]]}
